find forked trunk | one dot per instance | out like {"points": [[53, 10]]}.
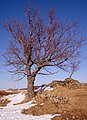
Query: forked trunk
{"points": [[30, 87]]}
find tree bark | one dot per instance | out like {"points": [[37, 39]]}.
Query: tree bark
{"points": [[30, 87]]}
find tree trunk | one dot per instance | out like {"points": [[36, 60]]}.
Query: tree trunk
{"points": [[30, 87]]}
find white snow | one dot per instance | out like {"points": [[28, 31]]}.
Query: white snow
{"points": [[13, 112], [40, 89], [42, 104], [44, 88], [48, 88], [15, 98]]}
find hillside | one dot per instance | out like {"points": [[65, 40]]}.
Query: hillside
{"points": [[59, 100], [68, 98]]}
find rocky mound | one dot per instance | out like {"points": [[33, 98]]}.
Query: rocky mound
{"points": [[68, 82]]}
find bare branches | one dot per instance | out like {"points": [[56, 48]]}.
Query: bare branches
{"points": [[74, 67], [37, 44], [51, 14]]}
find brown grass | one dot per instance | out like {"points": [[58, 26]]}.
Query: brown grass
{"points": [[74, 107], [57, 118], [72, 115], [4, 93], [4, 102]]}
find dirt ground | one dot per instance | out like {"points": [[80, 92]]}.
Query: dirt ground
{"points": [[70, 103]]}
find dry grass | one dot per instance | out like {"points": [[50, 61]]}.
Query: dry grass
{"points": [[4, 93], [75, 114], [73, 107], [57, 118], [4, 102]]}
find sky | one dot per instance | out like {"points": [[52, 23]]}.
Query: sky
{"points": [[14, 9]]}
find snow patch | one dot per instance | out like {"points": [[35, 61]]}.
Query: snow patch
{"points": [[43, 89], [15, 98], [42, 104], [48, 88], [13, 112]]}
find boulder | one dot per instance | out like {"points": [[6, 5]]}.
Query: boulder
{"points": [[71, 83], [68, 82]]}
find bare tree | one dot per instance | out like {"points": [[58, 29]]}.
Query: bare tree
{"points": [[39, 43], [74, 67]]}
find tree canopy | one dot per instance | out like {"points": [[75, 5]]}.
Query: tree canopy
{"points": [[39, 42]]}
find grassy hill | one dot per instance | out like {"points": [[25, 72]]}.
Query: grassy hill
{"points": [[70, 102], [67, 98]]}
